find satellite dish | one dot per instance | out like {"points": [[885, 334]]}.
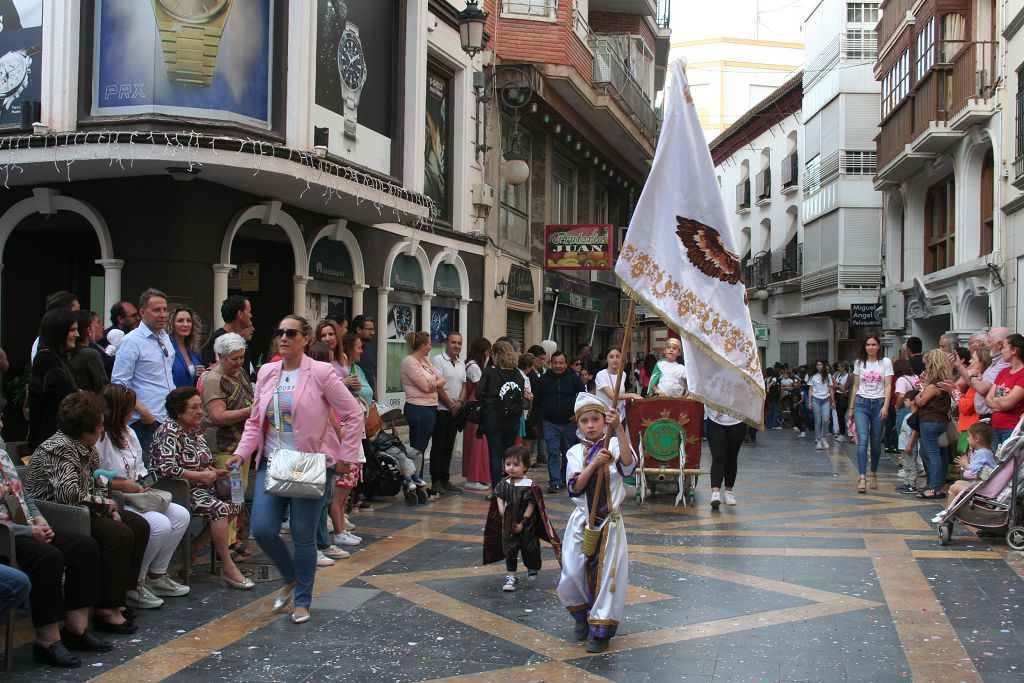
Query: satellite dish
{"points": [[923, 296]]}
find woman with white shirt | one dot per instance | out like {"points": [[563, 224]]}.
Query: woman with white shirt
{"points": [[606, 380], [872, 390], [120, 451], [822, 401]]}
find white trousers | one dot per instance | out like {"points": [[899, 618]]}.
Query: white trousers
{"points": [[165, 532]]}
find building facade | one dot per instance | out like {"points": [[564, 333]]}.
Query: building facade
{"points": [[941, 68], [1010, 182]]}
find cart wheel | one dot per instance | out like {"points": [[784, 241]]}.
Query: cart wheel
{"points": [[945, 533], [1015, 537]]}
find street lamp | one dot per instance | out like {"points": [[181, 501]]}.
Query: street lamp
{"points": [[471, 28]]}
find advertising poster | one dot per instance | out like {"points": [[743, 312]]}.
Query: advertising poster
{"points": [[356, 62], [579, 247], [21, 59], [209, 59], [442, 323], [435, 172]]}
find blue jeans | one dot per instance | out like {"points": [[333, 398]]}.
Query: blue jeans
{"points": [[773, 415], [559, 438], [999, 436], [930, 453], [145, 433], [422, 420], [14, 588], [869, 430], [267, 514], [901, 415], [323, 537], [822, 409]]}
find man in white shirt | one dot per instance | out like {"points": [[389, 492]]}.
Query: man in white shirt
{"points": [[450, 401], [143, 364]]}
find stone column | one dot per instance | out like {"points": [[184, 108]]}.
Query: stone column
{"points": [[358, 290], [382, 346], [464, 324], [220, 290], [425, 311], [111, 281], [299, 294]]}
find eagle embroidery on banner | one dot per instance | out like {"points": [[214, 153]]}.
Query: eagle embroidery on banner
{"points": [[706, 251]]}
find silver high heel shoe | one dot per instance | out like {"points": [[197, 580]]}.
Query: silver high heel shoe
{"points": [[281, 602]]}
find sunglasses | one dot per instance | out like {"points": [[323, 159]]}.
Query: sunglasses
{"points": [[290, 333]]}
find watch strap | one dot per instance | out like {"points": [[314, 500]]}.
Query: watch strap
{"points": [[190, 51]]}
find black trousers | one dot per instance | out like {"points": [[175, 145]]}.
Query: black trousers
{"points": [[73, 558], [724, 443], [501, 433], [122, 545], [441, 451]]}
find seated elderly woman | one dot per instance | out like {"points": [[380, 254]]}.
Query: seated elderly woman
{"points": [[63, 470], [180, 452], [227, 398], [49, 557]]}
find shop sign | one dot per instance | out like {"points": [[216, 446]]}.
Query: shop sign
{"points": [[250, 277], [580, 247], [760, 332], [446, 281], [865, 315], [145, 62], [331, 261], [520, 285], [573, 300], [406, 273], [21, 57]]}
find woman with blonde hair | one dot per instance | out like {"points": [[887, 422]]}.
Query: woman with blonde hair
{"points": [[502, 389], [933, 411]]}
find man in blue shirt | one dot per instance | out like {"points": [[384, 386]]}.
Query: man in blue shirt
{"points": [[364, 328], [555, 401], [143, 364]]}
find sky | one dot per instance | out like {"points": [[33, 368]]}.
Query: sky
{"points": [[778, 20]]}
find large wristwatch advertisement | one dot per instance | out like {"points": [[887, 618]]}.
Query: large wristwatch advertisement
{"points": [[210, 59], [21, 35], [191, 32], [352, 68]]}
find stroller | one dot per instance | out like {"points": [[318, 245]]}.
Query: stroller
{"points": [[994, 505]]}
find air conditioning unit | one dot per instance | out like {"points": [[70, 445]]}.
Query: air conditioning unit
{"points": [[893, 317]]}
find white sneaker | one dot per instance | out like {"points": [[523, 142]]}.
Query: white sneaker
{"points": [[285, 528], [511, 582], [347, 539], [166, 586], [803, 435], [716, 500], [348, 524], [475, 486], [322, 560], [141, 598], [817, 445], [336, 553], [796, 429], [840, 438], [730, 499], [330, 526]]}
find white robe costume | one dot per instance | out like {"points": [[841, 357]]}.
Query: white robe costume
{"points": [[593, 589], [672, 379]]}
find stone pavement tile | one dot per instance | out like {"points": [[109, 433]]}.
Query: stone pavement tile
{"points": [[775, 539], [433, 554], [814, 672]]}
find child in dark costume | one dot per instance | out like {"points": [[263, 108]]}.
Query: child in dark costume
{"points": [[517, 520]]}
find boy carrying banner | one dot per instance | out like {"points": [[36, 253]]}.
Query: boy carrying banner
{"points": [[595, 562]]}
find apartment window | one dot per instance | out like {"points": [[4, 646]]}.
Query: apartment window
{"points": [[951, 40], [538, 9], [939, 227], [861, 43], [862, 13], [860, 163], [789, 354], [514, 217], [925, 48], [812, 175], [563, 179], [896, 83], [817, 350], [601, 204], [1019, 128], [987, 203]]}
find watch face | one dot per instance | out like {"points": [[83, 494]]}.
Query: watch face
{"points": [[193, 11], [350, 58], [13, 69]]}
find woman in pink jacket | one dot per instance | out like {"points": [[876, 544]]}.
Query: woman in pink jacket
{"points": [[306, 391]]}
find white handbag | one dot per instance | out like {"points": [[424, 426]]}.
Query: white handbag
{"points": [[292, 473]]}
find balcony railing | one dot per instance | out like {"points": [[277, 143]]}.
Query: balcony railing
{"points": [[663, 17], [743, 195], [893, 13], [973, 73], [896, 132], [787, 263], [763, 184], [864, 48], [790, 171], [611, 59], [756, 270]]}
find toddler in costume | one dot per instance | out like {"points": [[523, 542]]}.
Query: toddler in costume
{"points": [[594, 575], [517, 520]]}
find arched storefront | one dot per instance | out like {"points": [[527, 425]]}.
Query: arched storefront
{"points": [[337, 279], [448, 307], [403, 306]]}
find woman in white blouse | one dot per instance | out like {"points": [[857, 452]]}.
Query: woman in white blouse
{"points": [[120, 451]]}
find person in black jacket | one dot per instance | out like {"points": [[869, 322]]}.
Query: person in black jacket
{"points": [[501, 390], [52, 377], [554, 402]]}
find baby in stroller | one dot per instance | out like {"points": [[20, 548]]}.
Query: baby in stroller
{"points": [[979, 438]]}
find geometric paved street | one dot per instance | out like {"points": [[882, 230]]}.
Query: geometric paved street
{"points": [[805, 580]]}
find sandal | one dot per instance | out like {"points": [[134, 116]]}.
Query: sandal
{"points": [[241, 549], [930, 495], [862, 485], [874, 480]]}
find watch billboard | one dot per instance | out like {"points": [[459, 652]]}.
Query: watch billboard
{"points": [[21, 40], [196, 58], [356, 65]]}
